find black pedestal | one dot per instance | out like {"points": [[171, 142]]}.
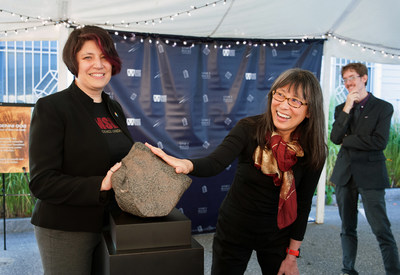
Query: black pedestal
{"points": [[149, 246]]}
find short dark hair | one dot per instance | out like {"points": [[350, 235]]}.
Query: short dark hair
{"points": [[359, 68], [103, 40]]}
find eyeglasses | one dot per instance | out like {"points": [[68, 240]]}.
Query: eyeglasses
{"points": [[292, 101], [351, 78]]}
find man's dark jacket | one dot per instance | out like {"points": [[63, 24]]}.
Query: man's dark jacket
{"points": [[69, 158], [361, 154]]}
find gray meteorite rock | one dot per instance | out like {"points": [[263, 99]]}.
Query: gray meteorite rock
{"points": [[145, 185]]}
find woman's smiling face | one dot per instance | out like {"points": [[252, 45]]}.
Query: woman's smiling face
{"points": [[285, 117], [94, 70]]}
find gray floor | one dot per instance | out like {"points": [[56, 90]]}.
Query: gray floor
{"points": [[321, 252]]}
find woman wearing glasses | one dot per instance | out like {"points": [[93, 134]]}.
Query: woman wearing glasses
{"points": [[280, 157]]}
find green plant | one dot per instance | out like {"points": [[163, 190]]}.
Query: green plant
{"points": [[19, 202], [392, 153], [333, 149], [329, 191]]}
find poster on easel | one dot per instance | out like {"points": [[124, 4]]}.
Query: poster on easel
{"points": [[14, 137]]}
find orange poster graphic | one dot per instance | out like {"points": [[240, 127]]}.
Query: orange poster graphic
{"points": [[14, 138]]}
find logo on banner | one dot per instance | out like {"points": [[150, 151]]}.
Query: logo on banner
{"points": [[228, 75], [133, 96], [206, 51], [183, 145], [202, 210], [206, 144], [205, 122], [133, 73], [225, 188], [250, 76], [133, 122], [159, 98], [228, 52], [161, 146], [205, 75], [186, 50], [227, 98], [227, 121], [160, 48], [296, 52], [184, 122]]}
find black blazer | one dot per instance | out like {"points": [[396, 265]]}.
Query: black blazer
{"points": [[361, 154], [69, 158]]}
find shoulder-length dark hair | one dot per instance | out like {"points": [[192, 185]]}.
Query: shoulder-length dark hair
{"points": [[103, 40], [312, 129]]}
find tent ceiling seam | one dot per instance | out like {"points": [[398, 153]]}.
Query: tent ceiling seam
{"points": [[353, 4], [222, 19]]}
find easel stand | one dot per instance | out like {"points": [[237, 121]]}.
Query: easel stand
{"points": [[149, 246], [3, 194]]}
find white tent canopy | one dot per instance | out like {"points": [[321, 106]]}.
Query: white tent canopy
{"points": [[364, 30], [354, 28]]}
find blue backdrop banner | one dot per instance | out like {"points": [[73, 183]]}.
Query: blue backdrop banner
{"points": [[185, 98]]}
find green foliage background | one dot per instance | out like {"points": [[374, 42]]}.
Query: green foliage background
{"points": [[19, 202]]}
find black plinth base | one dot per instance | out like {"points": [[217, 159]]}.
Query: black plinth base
{"points": [[132, 232], [177, 260], [149, 246]]}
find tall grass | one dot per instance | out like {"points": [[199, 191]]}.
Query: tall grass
{"points": [[392, 153], [19, 202], [333, 150]]}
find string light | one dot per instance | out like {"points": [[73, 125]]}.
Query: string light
{"points": [[216, 43], [39, 22], [221, 43], [66, 22], [159, 19], [374, 49]]}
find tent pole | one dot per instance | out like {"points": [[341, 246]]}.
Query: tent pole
{"points": [[326, 79]]}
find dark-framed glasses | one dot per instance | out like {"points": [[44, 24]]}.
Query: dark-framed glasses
{"points": [[351, 78], [292, 101]]}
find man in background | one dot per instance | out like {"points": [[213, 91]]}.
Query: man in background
{"points": [[362, 126]]}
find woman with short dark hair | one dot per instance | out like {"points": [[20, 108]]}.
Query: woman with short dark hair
{"points": [[77, 138]]}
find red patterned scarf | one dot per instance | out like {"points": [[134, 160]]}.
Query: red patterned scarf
{"points": [[277, 162]]}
